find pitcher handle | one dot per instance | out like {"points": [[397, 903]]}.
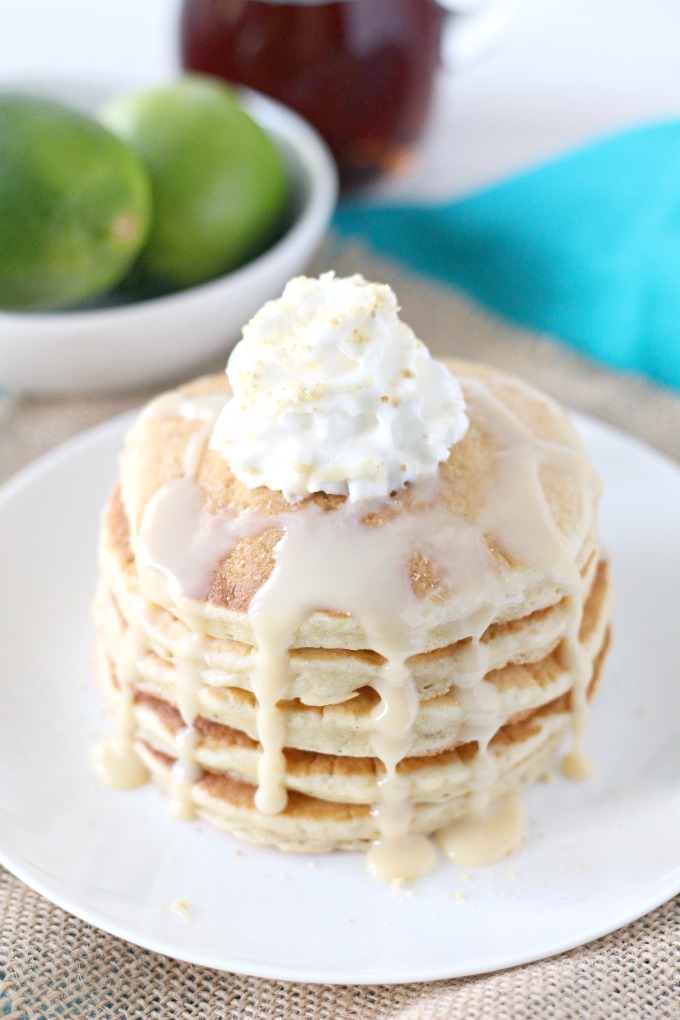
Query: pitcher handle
{"points": [[475, 30]]}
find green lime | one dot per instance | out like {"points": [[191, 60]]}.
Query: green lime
{"points": [[75, 205], [219, 183]]}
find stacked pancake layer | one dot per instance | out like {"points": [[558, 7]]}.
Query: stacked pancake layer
{"points": [[315, 677]]}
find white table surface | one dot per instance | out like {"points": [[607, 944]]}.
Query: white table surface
{"points": [[564, 71]]}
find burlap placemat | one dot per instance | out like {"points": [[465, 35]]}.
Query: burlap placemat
{"points": [[52, 965]]}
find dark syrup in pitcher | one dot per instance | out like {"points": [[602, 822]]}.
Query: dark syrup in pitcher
{"points": [[361, 71]]}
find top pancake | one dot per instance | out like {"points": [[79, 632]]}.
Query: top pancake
{"points": [[464, 513]]}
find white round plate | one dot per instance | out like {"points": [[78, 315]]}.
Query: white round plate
{"points": [[597, 855]]}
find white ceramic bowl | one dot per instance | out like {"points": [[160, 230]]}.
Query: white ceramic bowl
{"points": [[130, 346]]}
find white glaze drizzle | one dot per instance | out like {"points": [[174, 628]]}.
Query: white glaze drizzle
{"points": [[316, 560], [116, 761], [527, 530]]}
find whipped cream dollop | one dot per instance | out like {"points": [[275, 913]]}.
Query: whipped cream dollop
{"points": [[333, 393]]}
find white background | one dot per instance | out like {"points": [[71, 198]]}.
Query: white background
{"points": [[564, 71]]}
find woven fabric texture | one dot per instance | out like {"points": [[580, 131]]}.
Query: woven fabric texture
{"points": [[53, 965]]}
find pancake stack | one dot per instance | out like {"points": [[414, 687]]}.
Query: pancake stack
{"points": [[314, 677]]}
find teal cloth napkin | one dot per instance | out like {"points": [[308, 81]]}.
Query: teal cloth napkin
{"points": [[586, 248]]}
